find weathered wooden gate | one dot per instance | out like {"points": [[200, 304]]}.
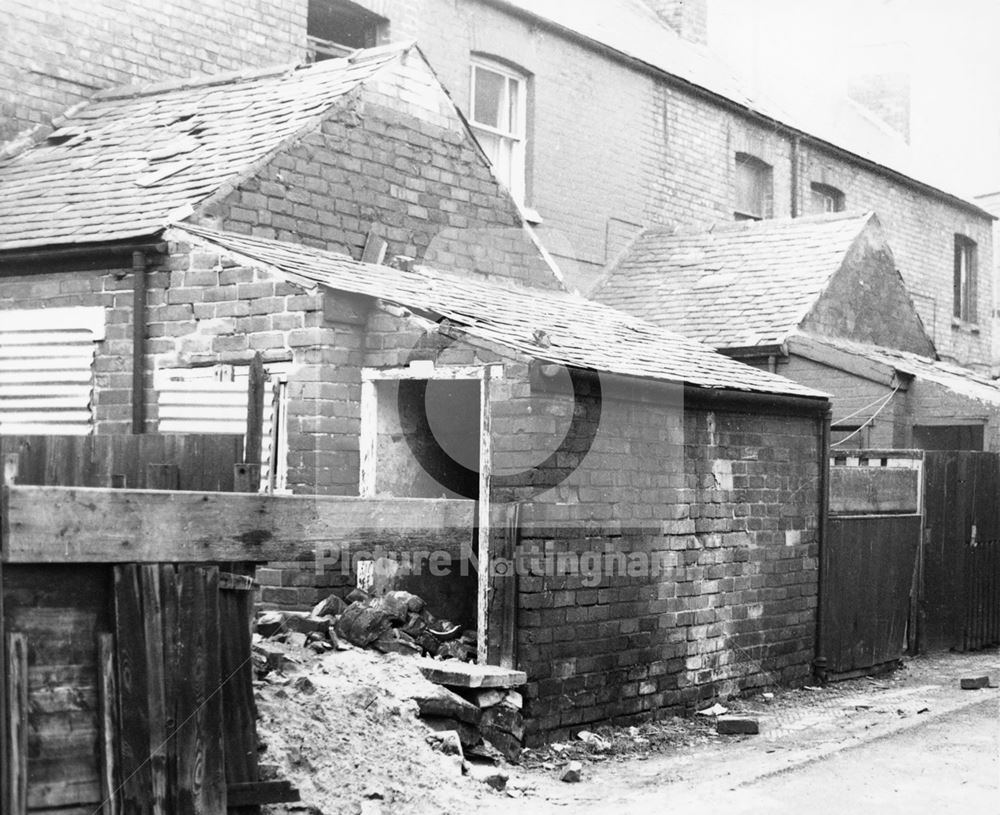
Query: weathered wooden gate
{"points": [[960, 606], [867, 563]]}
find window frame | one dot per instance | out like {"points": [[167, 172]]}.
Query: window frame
{"points": [[764, 179], [828, 192], [516, 180], [965, 272]]}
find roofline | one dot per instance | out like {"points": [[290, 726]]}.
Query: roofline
{"points": [[104, 249], [731, 104], [780, 403], [853, 361]]}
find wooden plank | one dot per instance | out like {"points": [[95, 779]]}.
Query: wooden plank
{"points": [[246, 477], [254, 793], [156, 683], [163, 477], [8, 476], [204, 461], [15, 754], [873, 490], [236, 610], [67, 525], [201, 787], [107, 712], [503, 590], [133, 698], [256, 383]]}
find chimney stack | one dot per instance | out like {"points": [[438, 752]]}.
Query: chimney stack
{"points": [[689, 18]]}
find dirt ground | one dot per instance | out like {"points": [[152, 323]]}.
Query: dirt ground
{"points": [[346, 732]]}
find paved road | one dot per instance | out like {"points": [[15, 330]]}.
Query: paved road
{"points": [[948, 765]]}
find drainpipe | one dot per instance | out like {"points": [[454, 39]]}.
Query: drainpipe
{"points": [[823, 425], [138, 342], [795, 177]]}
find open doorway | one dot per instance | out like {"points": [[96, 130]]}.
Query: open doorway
{"points": [[425, 434]]}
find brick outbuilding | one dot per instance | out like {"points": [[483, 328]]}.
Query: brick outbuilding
{"points": [[665, 501]]}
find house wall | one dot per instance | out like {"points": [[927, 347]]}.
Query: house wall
{"points": [[851, 394], [931, 404], [57, 54], [611, 148], [395, 159]]}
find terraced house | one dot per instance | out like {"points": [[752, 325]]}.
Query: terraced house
{"points": [[600, 119]]}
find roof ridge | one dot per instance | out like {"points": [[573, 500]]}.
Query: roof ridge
{"points": [[246, 74]]}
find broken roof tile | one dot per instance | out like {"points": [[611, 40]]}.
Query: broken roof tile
{"points": [[117, 167], [576, 332]]}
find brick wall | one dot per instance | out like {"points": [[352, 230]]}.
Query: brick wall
{"points": [[724, 503], [57, 54], [396, 159], [610, 147], [854, 394]]}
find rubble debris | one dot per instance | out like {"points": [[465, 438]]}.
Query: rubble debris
{"points": [[573, 773], [442, 702], [466, 675], [737, 725], [447, 742], [478, 702], [599, 744], [975, 682], [714, 710], [491, 776]]}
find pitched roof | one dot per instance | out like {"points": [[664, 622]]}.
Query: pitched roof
{"points": [[632, 29], [954, 377], [120, 165], [738, 285], [553, 326]]}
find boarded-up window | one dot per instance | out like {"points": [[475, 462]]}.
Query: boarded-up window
{"points": [[47, 370], [214, 400]]}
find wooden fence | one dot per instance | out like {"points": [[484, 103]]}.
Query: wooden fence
{"points": [[125, 612]]}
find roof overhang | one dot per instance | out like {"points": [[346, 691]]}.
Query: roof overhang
{"points": [[857, 364], [83, 252]]}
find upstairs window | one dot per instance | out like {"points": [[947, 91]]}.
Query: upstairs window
{"points": [[335, 28], [497, 114], [826, 199], [754, 196], [965, 279]]}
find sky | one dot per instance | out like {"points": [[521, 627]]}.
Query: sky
{"points": [[801, 52]]}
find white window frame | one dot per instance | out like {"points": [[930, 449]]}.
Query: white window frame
{"points": [[513, 176]]}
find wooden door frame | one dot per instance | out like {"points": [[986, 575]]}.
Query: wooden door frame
{"points": [[427, 370]]}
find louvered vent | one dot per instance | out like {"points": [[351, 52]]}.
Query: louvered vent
{"points": [[46, 370], [214, 400]]}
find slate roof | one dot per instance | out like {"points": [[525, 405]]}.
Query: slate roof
{"points": [[954, 377], [120, 165], [741, 284], [631, 28], [552, 326]]}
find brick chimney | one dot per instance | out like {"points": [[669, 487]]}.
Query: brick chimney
{"points": [[689, 18]]}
